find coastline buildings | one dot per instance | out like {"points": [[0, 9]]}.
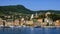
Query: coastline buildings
{"points": [[30, 21]]}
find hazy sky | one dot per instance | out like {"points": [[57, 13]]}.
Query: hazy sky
{"points": [[34, 4]]}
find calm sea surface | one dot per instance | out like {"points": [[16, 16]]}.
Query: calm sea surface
{"points": [[29, 30]]}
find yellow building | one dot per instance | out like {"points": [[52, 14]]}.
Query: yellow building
{"points": [[9, 24], [40, 20], [29, 23], [16, 22], [57, 23], [43, 24]]}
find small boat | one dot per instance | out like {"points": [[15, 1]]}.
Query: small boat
{"points": [[37, 27], [24, 26], [11, 26], [48, 27], [1, 25], [5, 27], [15, 26]]}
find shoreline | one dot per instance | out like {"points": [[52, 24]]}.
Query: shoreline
{"points": [[32, 26]]}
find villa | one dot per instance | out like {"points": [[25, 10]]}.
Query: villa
{"points": [[57, 23]]}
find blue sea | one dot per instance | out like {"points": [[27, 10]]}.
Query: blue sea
{"points": [[29, 30]]}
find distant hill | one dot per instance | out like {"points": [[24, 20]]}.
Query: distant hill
{"points": [[16, 9], [52, 11]]}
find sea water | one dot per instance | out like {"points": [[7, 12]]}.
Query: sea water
{"points": [[29, 30]]}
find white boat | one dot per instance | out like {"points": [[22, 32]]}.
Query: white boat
{"points": [[49, 27], [11, 26], [1, 25], [24, 26], [15, 26]]}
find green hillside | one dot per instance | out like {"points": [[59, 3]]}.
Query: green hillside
{"points": [[14, 9], [17, 9]]}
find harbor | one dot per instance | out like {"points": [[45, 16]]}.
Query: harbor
{"points": [[29, 16], [33, 21]]}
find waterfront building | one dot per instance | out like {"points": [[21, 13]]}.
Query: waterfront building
{"points": [[43, 24], [1, 22], [57, 23], [40, 20], [16, 22], [30, 23], [48, 20], [22, 21], [9, 22]]}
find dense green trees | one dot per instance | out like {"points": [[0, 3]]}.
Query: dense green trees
{"points": [[21, 10]]}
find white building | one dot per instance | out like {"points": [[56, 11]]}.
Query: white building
{"points": [[32, 16], [48, 13], [48, 20]]}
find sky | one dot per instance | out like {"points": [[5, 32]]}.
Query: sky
{"points": [[34, 4]]}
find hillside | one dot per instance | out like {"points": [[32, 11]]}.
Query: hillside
{"points": [[14, 9], [17, 9], [52, 11]]}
